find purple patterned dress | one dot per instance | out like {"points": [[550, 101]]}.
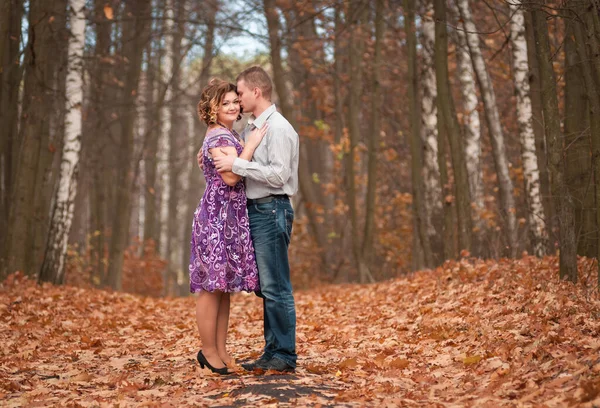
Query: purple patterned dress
{"points": [[222, 255]]}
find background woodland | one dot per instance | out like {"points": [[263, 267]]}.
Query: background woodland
{"points": [[430, 130]]}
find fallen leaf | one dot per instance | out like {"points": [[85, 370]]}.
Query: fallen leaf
{"points": [[472, 359]]}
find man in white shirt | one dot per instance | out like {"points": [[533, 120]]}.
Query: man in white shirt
{"points": [[271, 177]]}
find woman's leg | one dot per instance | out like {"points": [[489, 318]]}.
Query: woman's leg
{"points": [[207, 311], [222, 327]]}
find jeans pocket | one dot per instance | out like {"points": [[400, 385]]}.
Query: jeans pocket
{"points": [[265, 208]]}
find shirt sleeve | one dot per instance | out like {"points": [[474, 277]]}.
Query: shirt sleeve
{"points": [[280, 148]]}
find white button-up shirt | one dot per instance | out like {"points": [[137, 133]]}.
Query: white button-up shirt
{"points": [[274, 166]]}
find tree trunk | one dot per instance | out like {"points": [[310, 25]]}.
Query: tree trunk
{"points": [[339, 53], [357, 16], [578, 165], [56, 248], [471, 126], [134, 37], [10, 78], [429, 134], [164, 151], [593, 23], [505, 184], [525, 119], [538, 125], [562, 198], [415, 141], [5, 17], [449, 203], [592, 87], [452, 129], [373, 141], [178, 135], [111, 165], [49, 162], [272, 15], [151, 223], [186, 211], [48, 165], [35, 152], [94, 149]]}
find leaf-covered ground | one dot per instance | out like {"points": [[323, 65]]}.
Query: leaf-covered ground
{"points": [[467, 334]]}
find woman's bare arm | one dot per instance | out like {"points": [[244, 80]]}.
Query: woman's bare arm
{"points": [[230, 178]]}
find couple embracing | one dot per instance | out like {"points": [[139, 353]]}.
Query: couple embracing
{"points": [[242, 227]]}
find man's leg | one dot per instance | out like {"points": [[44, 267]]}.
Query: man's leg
{"points": [[262, 229], [268, 334], [270, 225]]}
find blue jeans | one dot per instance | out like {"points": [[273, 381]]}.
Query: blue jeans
{"points": [[271, 230]]}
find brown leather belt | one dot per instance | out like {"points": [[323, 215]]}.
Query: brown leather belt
{"points": [[267, 199]]}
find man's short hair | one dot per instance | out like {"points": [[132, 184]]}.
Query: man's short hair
{"points": [[256, 77]]}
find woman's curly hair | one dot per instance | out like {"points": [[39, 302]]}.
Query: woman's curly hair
{"points": [[211, 99]]}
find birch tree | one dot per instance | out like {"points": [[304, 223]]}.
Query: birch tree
{"points": [[525, 119], [151, 232], [471, 122], [164, 151], [420, 227], [64, 200], [431, 170], [505, 184], [538, 122]]}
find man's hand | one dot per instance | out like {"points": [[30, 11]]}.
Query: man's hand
{"points": [[224, 163], [200, 158]]}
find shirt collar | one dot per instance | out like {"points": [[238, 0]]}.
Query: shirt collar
{"points": [[262, 118]]}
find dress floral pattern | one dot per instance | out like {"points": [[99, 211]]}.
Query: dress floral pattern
{"points": [[222, 255]]}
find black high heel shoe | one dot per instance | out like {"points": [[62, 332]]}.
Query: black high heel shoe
{"points": [[204, 362]]}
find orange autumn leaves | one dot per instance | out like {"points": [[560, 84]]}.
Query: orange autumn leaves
{"points": [[487, 333]]}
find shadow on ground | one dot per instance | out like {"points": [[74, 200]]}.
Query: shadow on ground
{"points": [[280, 389]]}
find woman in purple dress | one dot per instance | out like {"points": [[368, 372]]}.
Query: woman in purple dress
{"points": [[222, 256]]}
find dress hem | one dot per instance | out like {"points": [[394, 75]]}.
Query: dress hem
{"points": [[225, 291]]}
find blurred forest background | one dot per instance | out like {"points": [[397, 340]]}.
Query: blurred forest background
{"points": [[430, 130]]}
